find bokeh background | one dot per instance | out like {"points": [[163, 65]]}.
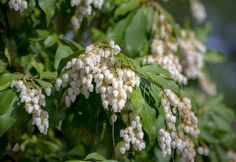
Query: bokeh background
{"points": [[222, 16]]}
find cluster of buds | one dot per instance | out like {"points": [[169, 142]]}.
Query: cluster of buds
{"points": [[178, 138], [132, 135], [198, 10], [163, 49], [203, 150], [18, 5], [193, 53], [189, 119], [84, 8], [33, 100], [165, 142], [231, 156], [98, 65]]}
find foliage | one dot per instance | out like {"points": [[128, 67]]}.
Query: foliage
{"points": [[36, 45]]}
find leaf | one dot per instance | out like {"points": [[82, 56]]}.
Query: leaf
{"points": [[3, 66], [66, 59], [50, 41], [128, 61], [117, 32], [135, 34], [94, 156], [48, 75], [43, 84], [147, 114], [7, 119], [126, 7], [48, 8], [214, 57], [155, 69], [165, 83], [42, 34], [5, 80], [203, 32], [39, 67], [62, 52], [7, 99]]}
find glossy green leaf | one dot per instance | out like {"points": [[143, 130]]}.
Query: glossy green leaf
{"points": [[7, 99], [63, 51], [135, 34], [147, 114], [155, 69], [5, 80], [50, 41], [7, 119], [214, 57], [48, 75], [94, 156], [48, 7], [126, 7]]}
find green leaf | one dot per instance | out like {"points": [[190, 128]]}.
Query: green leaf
{"points": [[66, 59], [63, 51], [165, 83], [203, 32], [48, 8], [50, 41], [3, 66], [155, 69], [7, 119], [48, 75], [147, 114], [43, 84], [117, 31], [214, 57], [42, 34], [94, 156], [135, 34], [126, 7], [7, 99], [39, 67], [5, 80]]}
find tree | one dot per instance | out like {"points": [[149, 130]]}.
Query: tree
{"points": [[97, 80]]}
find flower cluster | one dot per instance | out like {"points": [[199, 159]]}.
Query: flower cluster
{"points": [[203, 150], [231, 156], [163, 49], [33, 100], [198, 10], [84, 8], [18, 5], [189, 119], [134, 135], [98, 65], [177, 138], [165, 142], [193, 52]]}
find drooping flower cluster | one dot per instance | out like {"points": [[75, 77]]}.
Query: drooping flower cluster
{"points": [[165, 142], [133, 134], [98, 65], [84, 8], [163, 49], [198, 10], [178, 138], [18, 5], [33, 100], [192, 51], [203, 150]]}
